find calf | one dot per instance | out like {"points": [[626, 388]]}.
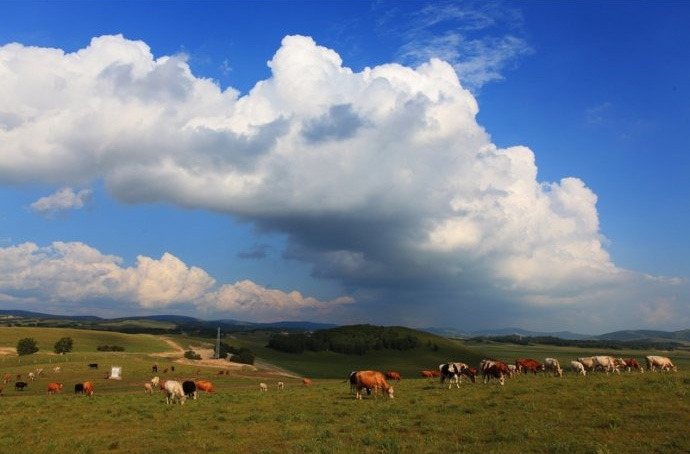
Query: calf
{"points": [[392, 375], [148, 389], [20, 385], [373, 380], [93, 366], [56, 369], [203, 385], [7, 378], [173, 391], [32, 376], [578, 368], [263, 387], [54, 388], [552, 364], [189, 388], [79, 388], [307, 382]]}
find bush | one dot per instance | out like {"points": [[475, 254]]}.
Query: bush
{"points": [[110, 348], [64, 345], [26, 346], [190, 354]]}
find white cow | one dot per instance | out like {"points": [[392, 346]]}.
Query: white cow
{"points": [[552, 364], [513, 369], [263, 387], [173, 390], [587, 362], [281, 385], [662, 362], [452, 372], [608, 363], [56, 369], [32, 377], [39, 371], [155, 381], [578, 368]]}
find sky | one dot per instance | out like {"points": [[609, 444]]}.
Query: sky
{"points": [[452, 164]]}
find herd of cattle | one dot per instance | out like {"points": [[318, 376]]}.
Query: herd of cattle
{"points": [[374, 381], [453, 372]]}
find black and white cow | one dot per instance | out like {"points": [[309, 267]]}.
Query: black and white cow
{"points": [[189, 388], [451, 372], [79, 388]]}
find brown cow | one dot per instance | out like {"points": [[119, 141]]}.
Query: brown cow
{"points": [[204, 385], [54, 388], [393, 375], [471, 373], [88, 388], [7, 378], [435, 373], [371, 379], [306, 382], [531, 365], [494, 369], [427, 374], [631, 363]]}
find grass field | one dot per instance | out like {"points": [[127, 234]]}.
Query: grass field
{"points": [[83, 340]]}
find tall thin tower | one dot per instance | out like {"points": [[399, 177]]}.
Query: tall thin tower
{"points": [[218, 344]]}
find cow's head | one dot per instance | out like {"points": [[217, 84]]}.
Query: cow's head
{"points": [[390, 392]]}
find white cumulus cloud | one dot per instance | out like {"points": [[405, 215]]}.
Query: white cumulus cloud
{"points": [[62, 200]]}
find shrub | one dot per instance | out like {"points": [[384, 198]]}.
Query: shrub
{"points": [[62, 346], [190, 354], [110, 348], [244, 356], [26, 346]]}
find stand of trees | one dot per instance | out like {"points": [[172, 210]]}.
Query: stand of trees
{"points": [[238, 355], [350, 340]]}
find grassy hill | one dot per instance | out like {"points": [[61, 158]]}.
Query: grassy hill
{"points": [[83, 340], [328, 364]]}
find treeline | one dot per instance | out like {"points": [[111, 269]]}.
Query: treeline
{"points": [[238, 355], [350, 340], [640, 344]]}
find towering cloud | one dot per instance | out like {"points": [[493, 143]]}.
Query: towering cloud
{"points": [[382, 179]]}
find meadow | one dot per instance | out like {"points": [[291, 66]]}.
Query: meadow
{"points": [[630, 413]]}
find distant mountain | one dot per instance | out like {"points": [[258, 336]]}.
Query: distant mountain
{"points": [[29, 314], [638, 334], [452, 332], [178, 319]]}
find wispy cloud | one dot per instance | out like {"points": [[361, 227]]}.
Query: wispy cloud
{"points": [[62, 201]]}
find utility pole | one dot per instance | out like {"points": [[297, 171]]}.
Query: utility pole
{"points": [[218, 344]]}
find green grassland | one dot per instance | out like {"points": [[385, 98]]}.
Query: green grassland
{"points": [[83, 340], [325, 364]]}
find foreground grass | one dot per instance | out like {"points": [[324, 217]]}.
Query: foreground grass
{"points": [[631, 413]]}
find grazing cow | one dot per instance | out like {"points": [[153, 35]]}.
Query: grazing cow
{"points": [[7, 378], [32, 376], [173, 390], [165, 371], [39, 371], [425, 374], [172, 368], [529, 365], [307, 382], [392, 375], [607, 363], [661, 362], [221, 372], [631, 363], [148, 389], [161, 385], [79, 388], [88, 388], [587, 362], [189, 388], [281, 385], [552, 365], [263, 387], [471, 373], [20, 385], [93, 366], [154, 369], [54, 388], [19, 376], [372, 380], [204, 385], [513, 369], [494, 369], [451, 371], [56, 369], [155, 381], [578, 368]]}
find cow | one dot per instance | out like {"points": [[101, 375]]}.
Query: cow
{"points": [[189, 388], [79, 388], [173, 391], [578, 368], [529, 365], [56, 369], [154, 369], [20, 385], [148, 389], [221, 372], [88, 388], [513, 369], [281, 385], [587, 362], [661, 362], [54, 388], [607, 363], [373, 380], [263, 387], [172, 368], [451, 371], [39, 371], [471, 373], [7, 378], [93, 366], [426, 374], [494, 369], [165, 371], [307, 382], [552, 365], [155, 381], [203, 385], [631, 363], [32, 376], [393, 375]]}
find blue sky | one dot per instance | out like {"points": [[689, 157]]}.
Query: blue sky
{"points": [[466, 164]]}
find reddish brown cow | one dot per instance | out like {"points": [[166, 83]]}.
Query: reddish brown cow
{"points": [[427, 374], [88, 388], [631, 363], [436, 373], [370, 379], [204, 385], [471, 373], [393, 375], [306, 382], [495, 369], [7, 378], [54, 388], [529, 365]]}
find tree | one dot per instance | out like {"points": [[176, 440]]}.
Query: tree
{"points": [[26, 346], [64, 345]]}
